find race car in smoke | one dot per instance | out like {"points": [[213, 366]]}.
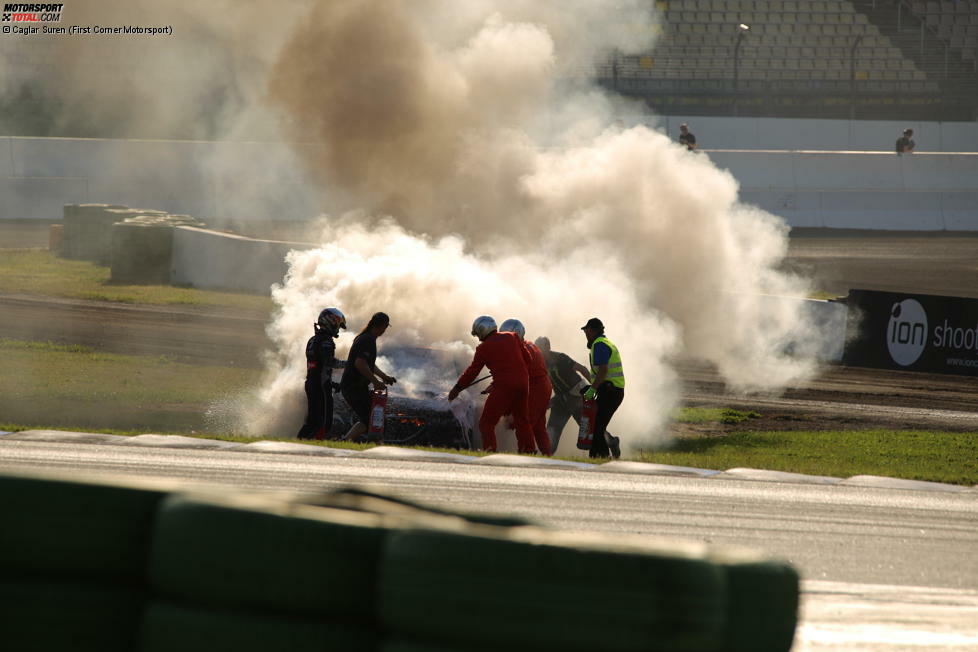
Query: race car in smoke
{"points": [[418, 412]]}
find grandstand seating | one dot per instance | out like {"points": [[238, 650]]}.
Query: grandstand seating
{"points": [[874, 59], [955, 23], [790, 45]]}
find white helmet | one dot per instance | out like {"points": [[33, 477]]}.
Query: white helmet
{"points": [[513, 326], [483, 326], [332, 320]]}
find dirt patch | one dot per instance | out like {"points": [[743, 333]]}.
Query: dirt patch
{"points": [[798, 419]]}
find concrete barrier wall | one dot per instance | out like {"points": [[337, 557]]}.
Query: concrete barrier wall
{"points": [[220, 261], [789, 133], [959, 211], [41, 198], [209, 180], [6, 158], [925, 192], [802, 170], [905, 211], [222, 182]]}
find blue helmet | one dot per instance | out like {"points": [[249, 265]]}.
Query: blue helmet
{"points": [[332, 320], [513, 326]]}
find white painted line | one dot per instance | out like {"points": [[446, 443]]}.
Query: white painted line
{"points": [[176, 441], [399, 453], [777, 476], [528, 461], [654, 469], [899, 483]]}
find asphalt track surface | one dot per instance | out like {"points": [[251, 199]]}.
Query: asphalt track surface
{"points": [[885, 569]]}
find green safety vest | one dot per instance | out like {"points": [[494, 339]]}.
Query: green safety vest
{"points": [[616, 375]]}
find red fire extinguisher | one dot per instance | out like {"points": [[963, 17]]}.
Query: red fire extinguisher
{"points": [[589, 412], [378, 407]]}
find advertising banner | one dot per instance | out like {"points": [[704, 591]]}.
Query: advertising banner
{"points": [[912, 332]]}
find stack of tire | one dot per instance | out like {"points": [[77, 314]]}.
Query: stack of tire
{"points": [[142, 247], [87, 233], [116, 566]]}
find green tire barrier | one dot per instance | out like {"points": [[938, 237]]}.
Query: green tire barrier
{"points": [[762, 610], [540, 591], [63, 528], [48, 616], [267, 555], [142, 246], [169, 627], [87, 229], [112, 565]]}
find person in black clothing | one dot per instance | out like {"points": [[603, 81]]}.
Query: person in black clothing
{"points": [[905, 144], [566, 402], [361, 371], [686, 137], [607, 387], [320, 360]]}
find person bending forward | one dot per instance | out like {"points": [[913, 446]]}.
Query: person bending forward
{"points": [[507, 360]]}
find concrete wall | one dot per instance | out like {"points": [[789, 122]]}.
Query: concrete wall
{"points": [[209, 180], [220, 261], [807, 170], [41, 198], [221, 182], [837, 135], [926, 191]]}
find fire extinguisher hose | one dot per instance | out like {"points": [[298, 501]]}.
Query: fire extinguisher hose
{"points": [[476, 382]]}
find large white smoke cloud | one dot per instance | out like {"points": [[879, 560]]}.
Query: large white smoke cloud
{"points": [[471, 181], [467, 168], [434, 287]]}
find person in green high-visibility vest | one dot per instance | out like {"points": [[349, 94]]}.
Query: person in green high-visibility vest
{"points": [[607, 387]]}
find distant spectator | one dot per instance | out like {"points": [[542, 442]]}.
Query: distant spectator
{"points": [[686, 137], [905, 144]]}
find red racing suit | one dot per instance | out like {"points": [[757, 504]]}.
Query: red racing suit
{"points": [[539, 399], [507, 360]]}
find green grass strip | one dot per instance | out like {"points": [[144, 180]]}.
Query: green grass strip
{"points": [[31, 271], [912, 454], [70, 387], [51, 385]]}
